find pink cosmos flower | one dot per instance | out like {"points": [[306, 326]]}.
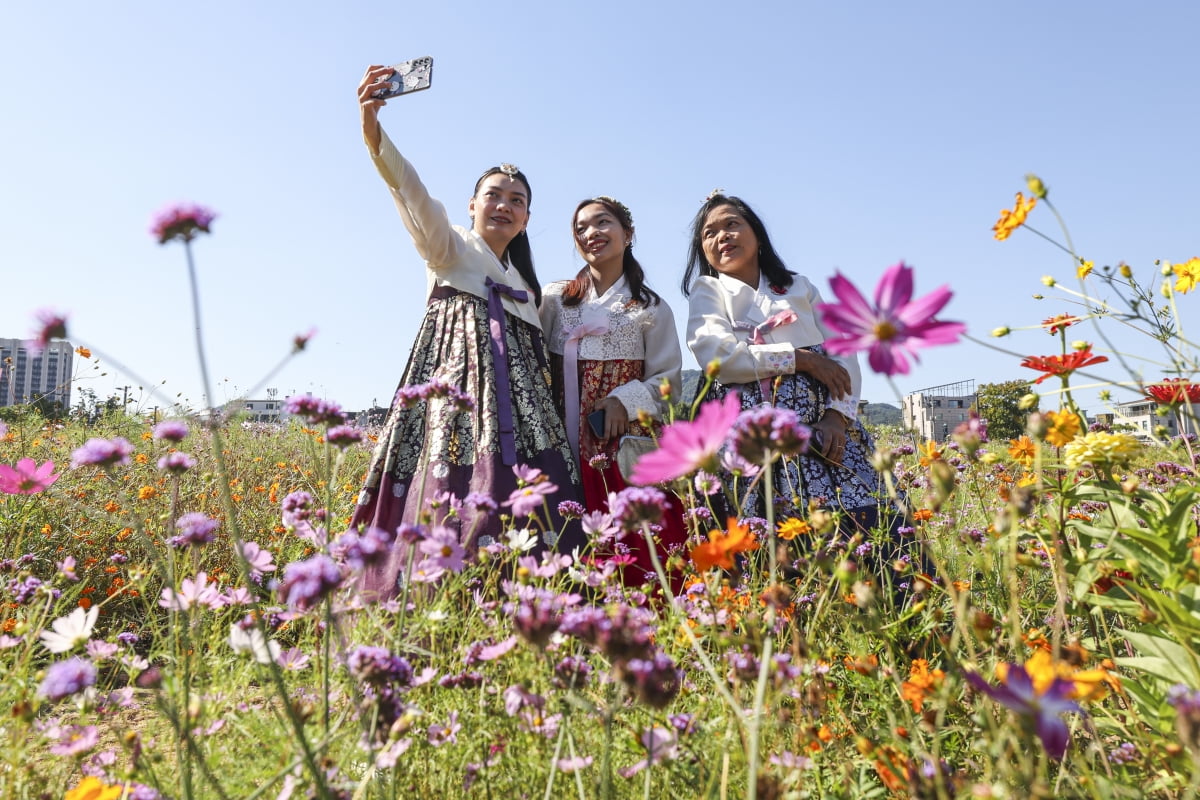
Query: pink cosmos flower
{"points": [[191, 592], [443, 550], [894, 326], [27, 477], [685, 447], [182, 222]]}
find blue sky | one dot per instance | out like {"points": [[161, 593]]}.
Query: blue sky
{"points": [[864, 133]]}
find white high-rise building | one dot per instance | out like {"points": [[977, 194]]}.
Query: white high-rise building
{"points": [[25, 377]]}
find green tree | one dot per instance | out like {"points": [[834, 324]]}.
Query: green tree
{"points": [[999, 404]]}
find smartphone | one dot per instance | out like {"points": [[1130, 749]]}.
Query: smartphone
{"points": [[596, 422], [407, 77]]}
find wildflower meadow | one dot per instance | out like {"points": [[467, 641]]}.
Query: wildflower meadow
{"points": [[180, 616]]}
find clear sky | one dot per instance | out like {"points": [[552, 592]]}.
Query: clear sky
{"points": [[863, 132]]}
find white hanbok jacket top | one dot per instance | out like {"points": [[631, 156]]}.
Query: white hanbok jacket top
{"points": [[631, 331], [722, 312]]}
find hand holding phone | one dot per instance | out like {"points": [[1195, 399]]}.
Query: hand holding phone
{"points": [[407, 77], [596, 423]]}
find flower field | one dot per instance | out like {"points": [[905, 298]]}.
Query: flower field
{"points": [[180, 619]]}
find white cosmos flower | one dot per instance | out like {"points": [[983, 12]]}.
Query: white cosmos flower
{"points": [[252, 641], [521, 540], [70, 631]]}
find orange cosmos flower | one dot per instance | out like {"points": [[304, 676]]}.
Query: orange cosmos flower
{"points": [[1011, 220], [721, 546], [921, 683], [83, 351], [1022, 450]]}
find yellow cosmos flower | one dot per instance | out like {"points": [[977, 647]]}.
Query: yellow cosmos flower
{"points": [[1084, 269], [92, 788], [1064, 426], [1187, 275], [791, 528], [929, 452], [1101, 450], [1011, 220]]}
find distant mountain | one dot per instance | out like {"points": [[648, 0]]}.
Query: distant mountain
{"points": [[875, 413]]}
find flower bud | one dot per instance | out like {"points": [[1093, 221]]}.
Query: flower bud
{"points": [[1080, 344], [1049, 281], [1003, 330], [1125, 271], [1027, 401], [1036, 187], [713, 368]]}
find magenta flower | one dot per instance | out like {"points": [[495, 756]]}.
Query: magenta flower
{"points": [[181, 222], [895, 325], [51, 325], [1043, 709], [176, 463], [685, 447], [75, 740], [27, 477], [198, 592]]}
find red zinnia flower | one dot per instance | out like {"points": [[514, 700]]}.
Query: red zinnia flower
{"points": [[1173, 391], [1062, 365], [1059, 323]]}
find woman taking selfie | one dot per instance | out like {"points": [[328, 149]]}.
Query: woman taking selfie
{"points": [[613, 344], [480, 338]]}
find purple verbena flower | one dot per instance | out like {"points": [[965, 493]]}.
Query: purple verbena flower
{"points": [[314, 410], [176, 463], [765, 433], [379, 666], [171, 430], [306, 583], [342, 436], [65, 678], [195, 529], [182, 221], [635, 505], [102, 453], [51, 325]]}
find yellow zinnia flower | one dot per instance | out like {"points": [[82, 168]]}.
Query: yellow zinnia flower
{"points": [[1084, 269], [1101, 450]]}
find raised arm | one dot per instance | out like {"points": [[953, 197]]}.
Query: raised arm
{"points": [[426, 218]]}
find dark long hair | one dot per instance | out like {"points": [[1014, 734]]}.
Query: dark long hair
{"points": [[518, 252], [768, 260], [636, 276]]}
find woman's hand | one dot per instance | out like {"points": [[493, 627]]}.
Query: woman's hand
{"points": [[616, 418], [368, 106], [832, 427], [826, 371]]}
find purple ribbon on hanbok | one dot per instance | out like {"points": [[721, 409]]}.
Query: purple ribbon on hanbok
{"points": [[504, 414], [571, 375], [757, 337]]}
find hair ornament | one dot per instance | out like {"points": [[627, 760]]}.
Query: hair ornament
{"points": [[615, 202], [714, 193], [510, 170]]}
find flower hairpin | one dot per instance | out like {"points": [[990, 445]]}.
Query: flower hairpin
{"points": [[714, 193], [510, 170], [614, 201]]}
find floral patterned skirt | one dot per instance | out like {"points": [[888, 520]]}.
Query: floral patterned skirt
{"points": [[853, 486], [596, 380], [433, 447]]}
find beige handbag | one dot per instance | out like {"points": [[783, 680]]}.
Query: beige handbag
{"points": [[629, 450]]}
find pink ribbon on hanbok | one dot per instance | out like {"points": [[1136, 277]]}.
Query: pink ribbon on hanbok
{"points": [[571, 375], [757, 337], [504, 413]]}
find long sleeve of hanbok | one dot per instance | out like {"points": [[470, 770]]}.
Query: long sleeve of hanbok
{"points": [[435, 238]]}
